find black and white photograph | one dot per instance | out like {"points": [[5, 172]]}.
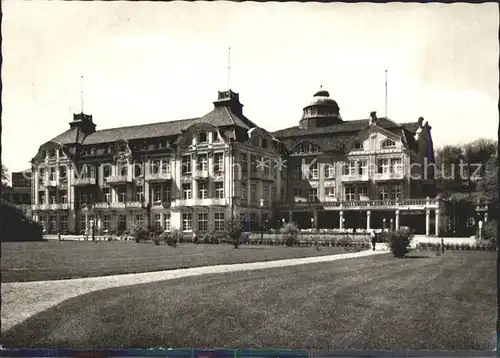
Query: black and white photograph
{"points": [[269, 176]]}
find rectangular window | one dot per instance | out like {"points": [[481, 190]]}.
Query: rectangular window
{"points": [[329, 171], [63, 196], [156, 194], [122, 222], [397, 192], [330, 192], [282, 194], [157, 222], [107, 222], [219, 190], [140, 193], [155, 166], [267, 166], [351, 168], [64, 223], [165, 166], [384, 193], [219, 221], [243, 191], [350, 193], [219, 162], [137, 170], [203, 222], [122, 195], [53, 174], [63, 174], [83, 198], [202, 137], [244, 162], [314, 171], [313, 195], [383, 166], [215, 137], [297, 172], [166, 222], [165, 192], [187, 222], [52, 223], [253, 193], [124, 170], [202, 190], [186, 191], [297, 193], [106, 195], [273, 193], [363, 167], [186, 164], [253, 163], [139, 220], [265, 193], [106, 170], [362, 191], [397, 166], [202, 162], [253, 220]]}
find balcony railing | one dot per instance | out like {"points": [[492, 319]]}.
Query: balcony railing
{"points": [[200, 174], [201, 202], [84, 181], [101, 205], [160, 203], [119, 205], [133, 204], [388, 176], [118, 179], [52, 207], [50, 183], [355, 177], [156, 177], [359, 204]]}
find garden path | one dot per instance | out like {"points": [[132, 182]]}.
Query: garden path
{"points": [[21, 300]]}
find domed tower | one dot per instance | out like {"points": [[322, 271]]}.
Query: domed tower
{"points": [[321, 112]]}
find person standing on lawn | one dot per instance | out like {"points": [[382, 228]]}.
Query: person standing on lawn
{"points": [[374, 239]]}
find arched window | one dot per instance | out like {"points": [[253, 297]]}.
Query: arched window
{"points": [[388, 143]]}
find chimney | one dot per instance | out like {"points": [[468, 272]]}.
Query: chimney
{"points": [[373, 118], [420, 122]]}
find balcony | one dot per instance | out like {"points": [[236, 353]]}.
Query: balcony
{"points": [[161, 204], [84, 181], [133, 204], [401, 204], [200, 175], [118, 179], [119, 205], [218, 175], [86, 206], [388, 176], [158, 177], [49, 183], [353, 178], [200, 202], [51, 207], [101, 205]]}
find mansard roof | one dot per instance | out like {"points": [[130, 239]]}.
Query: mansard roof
{"points": [[219, 117]]}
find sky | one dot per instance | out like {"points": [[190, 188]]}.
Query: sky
{"points": [[151, 62]]}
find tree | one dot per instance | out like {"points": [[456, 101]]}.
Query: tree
{"points": [[489, 181], [234, 229], [5, 176]]}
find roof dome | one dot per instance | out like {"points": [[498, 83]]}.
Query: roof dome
{"points": [[322, 98]]}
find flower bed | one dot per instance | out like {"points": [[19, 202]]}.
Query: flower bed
{"points": [[456, 247]]}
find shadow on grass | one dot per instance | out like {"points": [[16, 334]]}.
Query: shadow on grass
{"points": [[417, 257]]}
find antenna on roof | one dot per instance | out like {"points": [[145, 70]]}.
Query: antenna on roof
{"points": [[385, 93], [229, 68], [81, 91]]}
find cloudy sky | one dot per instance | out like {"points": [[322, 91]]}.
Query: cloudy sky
{"points": [[152, 62]]}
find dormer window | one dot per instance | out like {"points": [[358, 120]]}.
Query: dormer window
{"points": [[388, 143], [202, 137], [215, 136], [358, 145], [307, 148]]}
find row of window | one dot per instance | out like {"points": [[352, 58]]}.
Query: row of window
{"points": [[265, 192], [352, 167], [386, 192]]}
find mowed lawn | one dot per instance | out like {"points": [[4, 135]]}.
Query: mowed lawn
{"points": [[53, 260], [375, 302]]}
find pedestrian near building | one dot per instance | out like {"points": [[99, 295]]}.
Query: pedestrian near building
{"points": [[373, 236]]}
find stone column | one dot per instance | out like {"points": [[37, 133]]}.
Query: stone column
{"points": [[315, 213], [36, 183], [86, 221], [290, 216], [397, 219], [368, 221], [194, 182], [427, 222], [341, 220], [437, 223]]}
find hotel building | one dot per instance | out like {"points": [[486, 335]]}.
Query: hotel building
{"points": [[195, 174]]}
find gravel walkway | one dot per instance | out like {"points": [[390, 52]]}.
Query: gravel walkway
{"points": [[21, 300]]}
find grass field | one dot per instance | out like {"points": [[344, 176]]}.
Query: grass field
{"points": [[52, 260], [377, 302]]}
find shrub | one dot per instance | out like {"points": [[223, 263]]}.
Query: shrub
{"points": [[490, 231], [234, 231], [171, 238], [140, 234], [290, 233], [399, 242]]}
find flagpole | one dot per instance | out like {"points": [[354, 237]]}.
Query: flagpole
{"points": [[385, 93]]}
